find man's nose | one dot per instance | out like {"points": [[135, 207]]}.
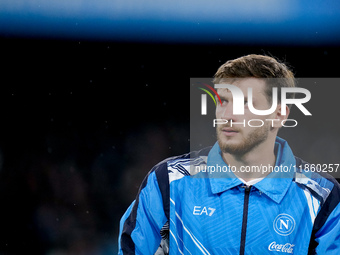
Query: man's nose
{"points": [[227, 112]]}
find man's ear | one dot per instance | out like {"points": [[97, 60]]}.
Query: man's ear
{"points": [[281, 118]]}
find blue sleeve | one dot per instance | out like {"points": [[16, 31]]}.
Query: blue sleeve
{"points": [[121, 224], [328, 237], [141, 224]]}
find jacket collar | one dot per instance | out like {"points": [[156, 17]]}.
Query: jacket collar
{"points": [[275, 185]]}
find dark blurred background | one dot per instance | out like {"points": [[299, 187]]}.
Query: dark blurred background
{"points": [[93, 94]]}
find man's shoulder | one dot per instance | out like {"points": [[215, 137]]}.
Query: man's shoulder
{"points": [[175, 168], [326, 189], [318, 181], [181, 161]]}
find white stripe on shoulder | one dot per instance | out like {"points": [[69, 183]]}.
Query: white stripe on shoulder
{"points": [[313, 204], [323, 192], [178, 168]]}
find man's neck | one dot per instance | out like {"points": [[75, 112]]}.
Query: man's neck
{"points": [[250, 165]]}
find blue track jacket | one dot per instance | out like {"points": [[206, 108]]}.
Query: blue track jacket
{"points": [[194, 204]]}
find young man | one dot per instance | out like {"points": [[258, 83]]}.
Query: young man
{"points": [[181, 211]]}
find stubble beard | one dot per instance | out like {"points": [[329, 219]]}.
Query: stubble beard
{"points": [[246, 144]]}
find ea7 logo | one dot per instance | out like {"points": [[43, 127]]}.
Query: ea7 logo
{"points": [[284, 224], [199, 210]]}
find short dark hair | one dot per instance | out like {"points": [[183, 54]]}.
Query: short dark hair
{"points": [[258, 66]]}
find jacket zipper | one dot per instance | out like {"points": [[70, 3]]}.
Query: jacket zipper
{"points": [[245, 218]]}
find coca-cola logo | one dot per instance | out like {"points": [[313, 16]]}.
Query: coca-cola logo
{"points": [[287, 248]]}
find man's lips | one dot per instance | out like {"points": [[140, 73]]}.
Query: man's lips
{"points": [[229, 131]]}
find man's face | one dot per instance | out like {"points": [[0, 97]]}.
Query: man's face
{"points": [[237, 139]]}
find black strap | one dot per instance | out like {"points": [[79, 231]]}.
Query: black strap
{"points": [[163, 184]]}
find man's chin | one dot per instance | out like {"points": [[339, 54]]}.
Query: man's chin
{"points": [[234, 150], [229, 145]]}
